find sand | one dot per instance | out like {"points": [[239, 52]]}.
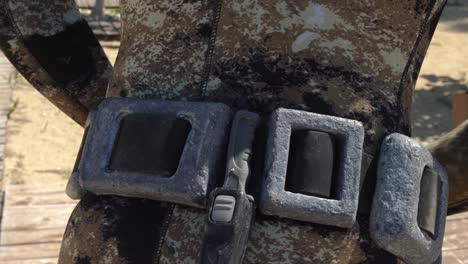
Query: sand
{"points": [[42, 142], [444, 72]]}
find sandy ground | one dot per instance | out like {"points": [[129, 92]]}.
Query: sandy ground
{"points": [[444, 71], [42, 142]]}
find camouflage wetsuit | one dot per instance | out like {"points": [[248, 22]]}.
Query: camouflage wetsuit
{"points": [[356, 59]]}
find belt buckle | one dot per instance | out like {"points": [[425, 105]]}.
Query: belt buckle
{"points": [[197, 168], [275, 200]]}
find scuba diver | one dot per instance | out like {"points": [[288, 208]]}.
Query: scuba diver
{"points": [[351, 65]]}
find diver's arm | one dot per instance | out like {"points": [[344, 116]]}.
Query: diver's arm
{"points": [[53, 47], [452, 151]]}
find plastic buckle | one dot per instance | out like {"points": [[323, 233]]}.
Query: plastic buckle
{"points": [[395, 223], [339, 210], [197, 169], [231, 210]]}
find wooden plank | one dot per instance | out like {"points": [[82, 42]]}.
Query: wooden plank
{"points": [[455, 242], [90, 3], [105, 28], [457, 217], [455, 247], [455, 256], [50, 198], [7, 81], [32, 261], [34, 188], [29, 251], [32, 236], [34, 220], [450, 258], [36, 217], [35, 195]]}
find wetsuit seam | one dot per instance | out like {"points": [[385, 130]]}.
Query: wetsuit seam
{"points": [[164, 228], [211, 47]]}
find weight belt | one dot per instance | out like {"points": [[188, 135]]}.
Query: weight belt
{"points": [[178, 152]]}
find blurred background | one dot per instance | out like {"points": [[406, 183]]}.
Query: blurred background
{"points": [[38, 143]]}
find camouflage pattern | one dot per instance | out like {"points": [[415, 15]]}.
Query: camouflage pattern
{"points": [[270, 241], [349, 59], [112, 230], [163, 49], [357, 59], [54, 49]]}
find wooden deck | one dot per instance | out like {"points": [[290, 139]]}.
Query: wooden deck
{"points": [[7, 81], [34, 220], [105, 28], [455, 249], [88, 4]]}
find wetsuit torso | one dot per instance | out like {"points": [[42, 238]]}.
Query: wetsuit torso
{"points": [[354, 59]]}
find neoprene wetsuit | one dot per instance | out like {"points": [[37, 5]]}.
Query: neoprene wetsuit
{"points": [[355, 59]]}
